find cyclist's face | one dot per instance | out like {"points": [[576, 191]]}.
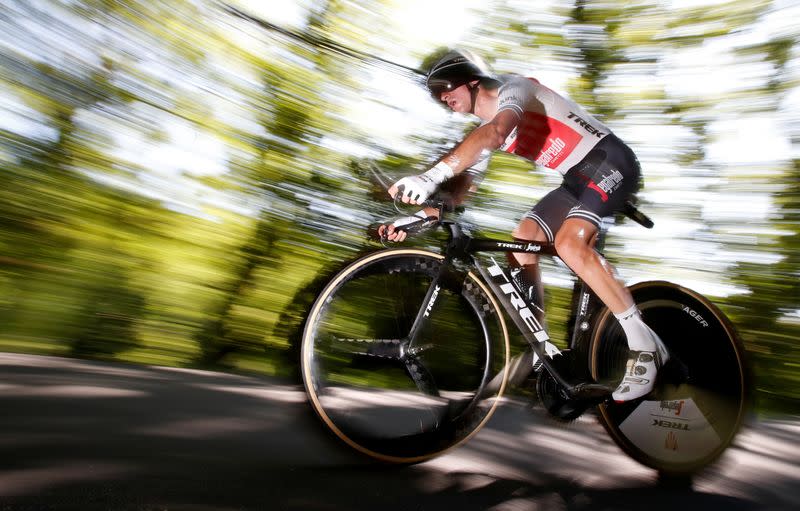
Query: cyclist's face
{"points": [[458, 99]]}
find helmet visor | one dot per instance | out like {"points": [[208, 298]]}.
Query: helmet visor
{"points": [[438, 86]]}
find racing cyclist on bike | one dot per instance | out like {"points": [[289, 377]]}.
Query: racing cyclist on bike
{"points": [[521, 116]]}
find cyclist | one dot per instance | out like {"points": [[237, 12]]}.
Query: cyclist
{"points": [[521, 116]]}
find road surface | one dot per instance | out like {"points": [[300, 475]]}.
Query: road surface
{"points": [[87, 435]]}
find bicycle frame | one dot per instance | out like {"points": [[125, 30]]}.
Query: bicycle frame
{"points": [[463, 247], [699, 403]]}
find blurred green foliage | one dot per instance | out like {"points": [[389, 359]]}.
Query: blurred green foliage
{"points": [[176, 181]]}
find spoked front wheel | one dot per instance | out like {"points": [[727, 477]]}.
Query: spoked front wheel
{"points": [[701, 395], [394, 398]]}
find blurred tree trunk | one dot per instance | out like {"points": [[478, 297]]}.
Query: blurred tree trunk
{"points": [[296, 118], [215, 337]]}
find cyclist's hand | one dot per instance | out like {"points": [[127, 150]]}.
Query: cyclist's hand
{"points": [[399, 230], [417, 189], [414, 189], [391, 233]]}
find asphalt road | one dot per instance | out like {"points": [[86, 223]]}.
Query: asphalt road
{"points": [[87, 435]]}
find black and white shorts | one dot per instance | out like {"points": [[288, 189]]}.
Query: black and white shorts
{"points": [[594, 188]]}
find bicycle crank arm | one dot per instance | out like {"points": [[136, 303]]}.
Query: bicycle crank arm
{"points": [[547, 365], [581, 391], [593, 392]]}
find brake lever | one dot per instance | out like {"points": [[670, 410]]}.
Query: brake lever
{"points": [[384, 180], [383, 238], [398, 199]]}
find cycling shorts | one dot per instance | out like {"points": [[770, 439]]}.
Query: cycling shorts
{"points": [[594, 188]]}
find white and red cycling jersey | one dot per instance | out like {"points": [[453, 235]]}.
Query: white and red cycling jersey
{"points": [[553, 131]]}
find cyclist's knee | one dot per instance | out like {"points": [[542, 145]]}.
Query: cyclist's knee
{"points": [[574, 242], [529, 230], [569, 247]]}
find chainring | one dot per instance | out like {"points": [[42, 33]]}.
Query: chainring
{"points": [[553, 396]]}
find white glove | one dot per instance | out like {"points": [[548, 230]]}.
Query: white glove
{"points": [[418, 188]]}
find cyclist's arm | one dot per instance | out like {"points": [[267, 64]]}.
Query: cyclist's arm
{"points": [[476, 146], [457, 189], [481, 141]]}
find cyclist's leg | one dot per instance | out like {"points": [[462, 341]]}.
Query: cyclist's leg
{"points": [[575, 245], [540, 225], [525, 266], [560, 218], [601, 183]]}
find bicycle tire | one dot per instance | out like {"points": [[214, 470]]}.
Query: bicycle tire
{"points": [[702, 394], [377, 404]]}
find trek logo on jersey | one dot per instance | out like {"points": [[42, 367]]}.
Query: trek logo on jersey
{"points": [[588, 127]]}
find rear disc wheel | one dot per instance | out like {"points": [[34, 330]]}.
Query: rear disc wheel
{"points": [[701, 394]]}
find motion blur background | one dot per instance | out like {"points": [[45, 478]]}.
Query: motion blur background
{"points": [[174, 177]]}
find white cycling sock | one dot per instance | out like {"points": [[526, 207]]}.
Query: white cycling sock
{"points": [[640, 337]]}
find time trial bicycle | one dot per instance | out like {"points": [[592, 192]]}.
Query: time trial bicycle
{"points": [[405, 354]]}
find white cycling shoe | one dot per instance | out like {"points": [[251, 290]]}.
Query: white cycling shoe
{"points": [[640, 373]]}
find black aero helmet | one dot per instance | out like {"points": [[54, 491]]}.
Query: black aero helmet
{"points": [[449, 69]]}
